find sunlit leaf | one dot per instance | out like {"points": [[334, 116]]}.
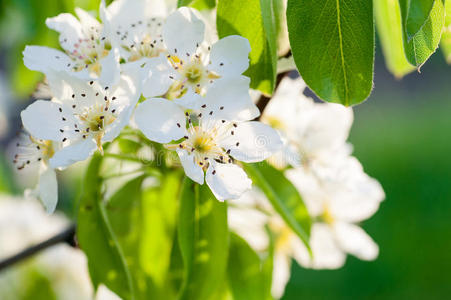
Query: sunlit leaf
{"points": [[421, 45], [253, 19], [333, 46], [95, 234], [389, 29], [417, 15], [283, 196], [248, 275], [197, 4], [203, 239]]}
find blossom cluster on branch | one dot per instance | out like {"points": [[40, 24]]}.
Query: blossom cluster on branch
{"points": [[163, 75]]}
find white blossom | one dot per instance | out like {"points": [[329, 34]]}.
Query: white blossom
{"points": [[190, 64], [136, 27], [314, 134], [33, 155], [88, 52], [211, 139], [338, 203], [82, 115]]}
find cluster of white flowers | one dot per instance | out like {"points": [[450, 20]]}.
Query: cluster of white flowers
{"points": [[64, 267], [196, 99], [338, 194]]}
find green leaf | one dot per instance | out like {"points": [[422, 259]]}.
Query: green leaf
{"points": [[94, 232], [203, 239], [144, 223], [332, 42], [197, 4], [159, 213], [389, 29], [445, 42], [254, 20], [248, 275], [417, 15], [283, 196], [420, 46]]}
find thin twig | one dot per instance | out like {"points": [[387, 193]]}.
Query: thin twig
{"points": [[66, 236], [264, 100]]}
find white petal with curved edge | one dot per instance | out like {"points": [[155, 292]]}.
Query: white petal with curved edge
{"points": [[48, 188], [73, 153], [87, 21], [182, 32], [69, 28], [192, 170], [39, 58], [159, 120], [42, 119], [280, 275], [228, 181], [309, 187], [252, 142], [287, 105], [355, 241], [326, 252], [156, 80], [229, 56], [324, 127], [110, 72], [230, 100]]}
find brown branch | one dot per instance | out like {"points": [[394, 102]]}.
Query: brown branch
{"points": [[66, 236]]}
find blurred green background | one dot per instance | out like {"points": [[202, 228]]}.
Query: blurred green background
{"points": [[401, 134]]}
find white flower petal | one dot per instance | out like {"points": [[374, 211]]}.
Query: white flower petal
{"points": [[183, 31], [159, 120], [73, 153], [192, 170], [249, 223], [252, 142], [86, 19], [324, 128], [128, 92], [42, 119], [309, 187], [230, 99], [156, 76], [48, 188], [280, 275], [69, 28], [326, 253], [42, 59], [355, 241], [190, 100], [110, 72], [227, 181], [229, 56]]}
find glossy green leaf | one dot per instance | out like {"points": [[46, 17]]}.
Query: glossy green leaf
{"points": [[332, 42], [197, 4], [420, 46], [254, 20], [143, 219], [445, 42], [248, 275], [283, 196], [203, 239], [417, 15], [389, 29], [159, 215], [96, 237]]}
